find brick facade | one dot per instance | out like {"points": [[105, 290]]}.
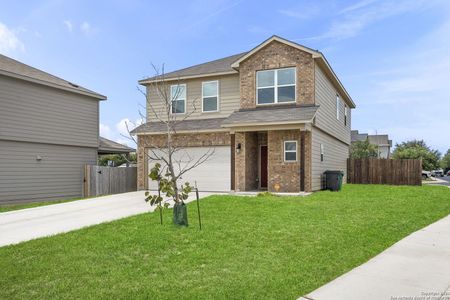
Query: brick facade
{"points": [[272, 56], [182, 140]]}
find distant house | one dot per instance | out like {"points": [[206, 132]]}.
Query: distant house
{"points": [[106, 146], [48, 131], [382, 141]]}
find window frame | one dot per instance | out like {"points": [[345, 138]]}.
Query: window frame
{"points": [[276, 86], [185, 98], [322, 153], [290, 151], [217, 96], [338, 104]]}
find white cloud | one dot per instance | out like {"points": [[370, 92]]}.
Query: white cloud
{"points": [[306, 11], [411, 94], [9, 42], [105, 131], [125, 125], [88, 29], [352, 20], [68, 25]]}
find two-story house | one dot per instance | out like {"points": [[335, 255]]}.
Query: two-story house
{"points": [[48, 132], [277, 117]]}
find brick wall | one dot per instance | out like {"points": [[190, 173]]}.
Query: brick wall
{"points": [[272, 56], [287, 174], [246, 161], [182, 140]]}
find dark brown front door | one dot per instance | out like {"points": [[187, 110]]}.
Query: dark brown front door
{"points": [[263, 166]]}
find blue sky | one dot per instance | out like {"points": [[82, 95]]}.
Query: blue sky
{"points": [[393, 56]]}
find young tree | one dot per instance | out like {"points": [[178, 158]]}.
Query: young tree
{"points": [[363, 149], [171, 160], [416, 149]]}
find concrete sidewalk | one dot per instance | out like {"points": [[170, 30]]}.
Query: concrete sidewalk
{"points": [[415, 268], [31, 223]]}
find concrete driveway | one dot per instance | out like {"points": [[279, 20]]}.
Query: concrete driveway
{"points": [[417, 267], [31, 223]]}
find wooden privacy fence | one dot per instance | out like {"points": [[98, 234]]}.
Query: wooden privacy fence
{"points": [[384, 171], [108, 180]]}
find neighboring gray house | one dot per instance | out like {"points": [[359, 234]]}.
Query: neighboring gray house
{"points": [[48, 131], [382, 141]]}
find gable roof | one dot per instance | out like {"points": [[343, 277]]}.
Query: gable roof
{"points": [[316, 55], [230, 64], [220, 66], [13, 68], [356, 136], [106, 146]]}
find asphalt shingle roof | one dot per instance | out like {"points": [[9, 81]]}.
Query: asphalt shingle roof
{"points": [[272, 115], [14, 67], [108, 146], [215, 66], [186, 125]]}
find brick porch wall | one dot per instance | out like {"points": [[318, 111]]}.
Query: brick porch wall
{"points": [[287, 174], [182, 140], [246, 161], [272, 56]]}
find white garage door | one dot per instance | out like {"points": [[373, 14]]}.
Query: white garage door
{"points": [[213, 175]]}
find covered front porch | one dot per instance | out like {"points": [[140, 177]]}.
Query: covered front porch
{"points": [[272, 158]]}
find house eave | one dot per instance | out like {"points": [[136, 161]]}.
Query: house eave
{"points": [[53, 85], [161, 79]]}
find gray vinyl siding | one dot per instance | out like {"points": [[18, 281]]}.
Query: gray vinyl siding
{"points": [[36, 113], [229, 98], [335, 156], [58, 175], [325, 95]]}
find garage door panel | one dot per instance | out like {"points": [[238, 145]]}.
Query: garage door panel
{"points": [[212, 175]]}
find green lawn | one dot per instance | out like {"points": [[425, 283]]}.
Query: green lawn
{"points": [[6, 208], [249, 248]]}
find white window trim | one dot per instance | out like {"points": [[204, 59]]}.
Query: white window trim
{"points": [[276, 86], [218, 87], [290, 151], [185, 98], [322, 153], [338, 104]]}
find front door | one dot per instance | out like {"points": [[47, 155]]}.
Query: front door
{"points": [[263, 167]]}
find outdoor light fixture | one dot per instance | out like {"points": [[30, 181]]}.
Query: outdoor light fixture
{"points": [[38, 157], [238, 148]]}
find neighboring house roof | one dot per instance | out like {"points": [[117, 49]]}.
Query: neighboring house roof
{"points": [[379, 139], [229, 64], [216, 67], [274, 115], [106, 146], [356, 136], [181, 126], [13, 68]]}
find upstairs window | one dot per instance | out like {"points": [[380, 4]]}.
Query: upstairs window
{"points": [[275, 86], [290, 151], [210, 96], [321, 152], [178, 98], [345, 114], [338, 103]]}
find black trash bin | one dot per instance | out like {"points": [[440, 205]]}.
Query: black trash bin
{"points": [[333, 180]]}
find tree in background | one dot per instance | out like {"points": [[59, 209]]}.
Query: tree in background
{"points": [[118, 159], [363, 149], [416, 149], [445, 162]]}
